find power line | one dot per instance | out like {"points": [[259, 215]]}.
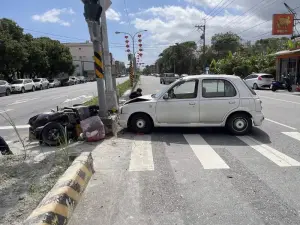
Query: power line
{"points": [[263, 22], [213, 9], [223, 6]]}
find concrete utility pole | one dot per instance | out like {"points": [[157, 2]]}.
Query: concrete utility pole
{"points": [[111, 94], [202, 37], [92, 13]]}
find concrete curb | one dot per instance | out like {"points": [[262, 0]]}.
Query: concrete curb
{"points": [[59, 204]]}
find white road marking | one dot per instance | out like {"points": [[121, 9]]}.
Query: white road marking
{"points": [[294, 135], [11, 127], [298, 103], [281, 124], [59, 97], [272, 154], [206, 155], [5, 111], [141, 155], [78, 98], [22, 101]]}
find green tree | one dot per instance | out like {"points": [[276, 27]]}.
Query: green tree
{"points": [[222, 43]]}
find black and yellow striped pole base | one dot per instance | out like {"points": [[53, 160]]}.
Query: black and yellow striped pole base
{"points": [[99, 71]]}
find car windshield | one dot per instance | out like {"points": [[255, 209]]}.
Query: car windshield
{"points": [[36, 80], [162, 91], [51, 81], [17, 82]]}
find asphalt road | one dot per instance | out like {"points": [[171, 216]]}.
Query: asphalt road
{"points": [[21, 107], [199, 176]]}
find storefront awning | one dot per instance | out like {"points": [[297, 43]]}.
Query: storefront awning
{"points": [[287, 52]]}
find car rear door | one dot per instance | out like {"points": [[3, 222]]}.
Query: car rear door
{"points": [[219, 97]]}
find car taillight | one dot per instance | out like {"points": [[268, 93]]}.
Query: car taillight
{"points": [[259, 78]]}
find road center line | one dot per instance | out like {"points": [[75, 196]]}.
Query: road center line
{"points": [[281, 124], [298, 103], [205, 153], [11, 127], [141, 155], [272, 154]]}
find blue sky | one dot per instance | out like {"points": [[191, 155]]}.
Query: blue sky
{"points": [[167, 21]]}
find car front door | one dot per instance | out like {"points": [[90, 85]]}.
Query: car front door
{"points": [[28, 85], [219, 97], [181, 106]]}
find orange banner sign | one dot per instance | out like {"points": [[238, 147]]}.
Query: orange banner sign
{"points": [[283, 24]]}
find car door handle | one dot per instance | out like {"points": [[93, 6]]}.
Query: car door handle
{"points": [[192, 103], [231, 102]]}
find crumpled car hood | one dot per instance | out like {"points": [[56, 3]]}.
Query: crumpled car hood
{"points": [[144, 98]]}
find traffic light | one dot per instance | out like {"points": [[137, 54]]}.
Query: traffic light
{"points": [[92, 10]]}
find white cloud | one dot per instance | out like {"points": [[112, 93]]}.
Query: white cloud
{"points": [[54, 16], [113, 15], [170, 24]]}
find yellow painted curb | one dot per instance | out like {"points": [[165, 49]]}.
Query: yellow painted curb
{"points": [[58, 205]]}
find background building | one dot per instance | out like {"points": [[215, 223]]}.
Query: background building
{"points": [[82, 54]]}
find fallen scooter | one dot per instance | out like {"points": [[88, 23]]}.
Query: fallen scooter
{"points": [[282, 85], [59, 127]]}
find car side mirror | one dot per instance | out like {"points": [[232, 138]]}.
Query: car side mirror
{"points": [[166, 96]]}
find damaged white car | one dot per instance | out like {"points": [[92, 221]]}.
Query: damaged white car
{"points": [[196, 101]]}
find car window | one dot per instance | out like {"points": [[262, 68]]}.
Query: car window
{"points": [[37, 80], [248, 77], [254, 76], [17, 82], [269, 76], [184, 90], [2, 82], [216, 88]]}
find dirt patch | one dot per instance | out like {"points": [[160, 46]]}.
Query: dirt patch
{"points": [[23, 184]]}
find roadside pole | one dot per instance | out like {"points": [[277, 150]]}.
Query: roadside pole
{"points": [[131, 74], [94, 29], [111, 94]]}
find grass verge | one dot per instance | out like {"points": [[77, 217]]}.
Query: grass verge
{"points": [[121, 89]]}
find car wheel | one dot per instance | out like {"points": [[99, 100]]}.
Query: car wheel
{"points": [[7, 93], [141, 123], [239, 124], [33, 88], [23, 90], [255, 86], [53, 134]]}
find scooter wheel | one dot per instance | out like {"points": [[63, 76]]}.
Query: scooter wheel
{"points": [[290, 89], [53, 134], [274, 89]]}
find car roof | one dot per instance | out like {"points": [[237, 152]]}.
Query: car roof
{"points": [[212, 76]]}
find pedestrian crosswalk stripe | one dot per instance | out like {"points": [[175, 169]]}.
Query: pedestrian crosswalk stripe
{"points": [[205, 153], [141, 154], [272, 154], [295, 135]]}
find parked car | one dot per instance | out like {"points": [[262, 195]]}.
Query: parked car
{"points": [[82, 79], [54, 83], [168, 78], [74, 79], [41, 83], [5, 88], [196, 101], [23, 85], [69, 81], [259, 80]]}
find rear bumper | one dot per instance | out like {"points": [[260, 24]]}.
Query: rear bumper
{"points": [[258, 118]]}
